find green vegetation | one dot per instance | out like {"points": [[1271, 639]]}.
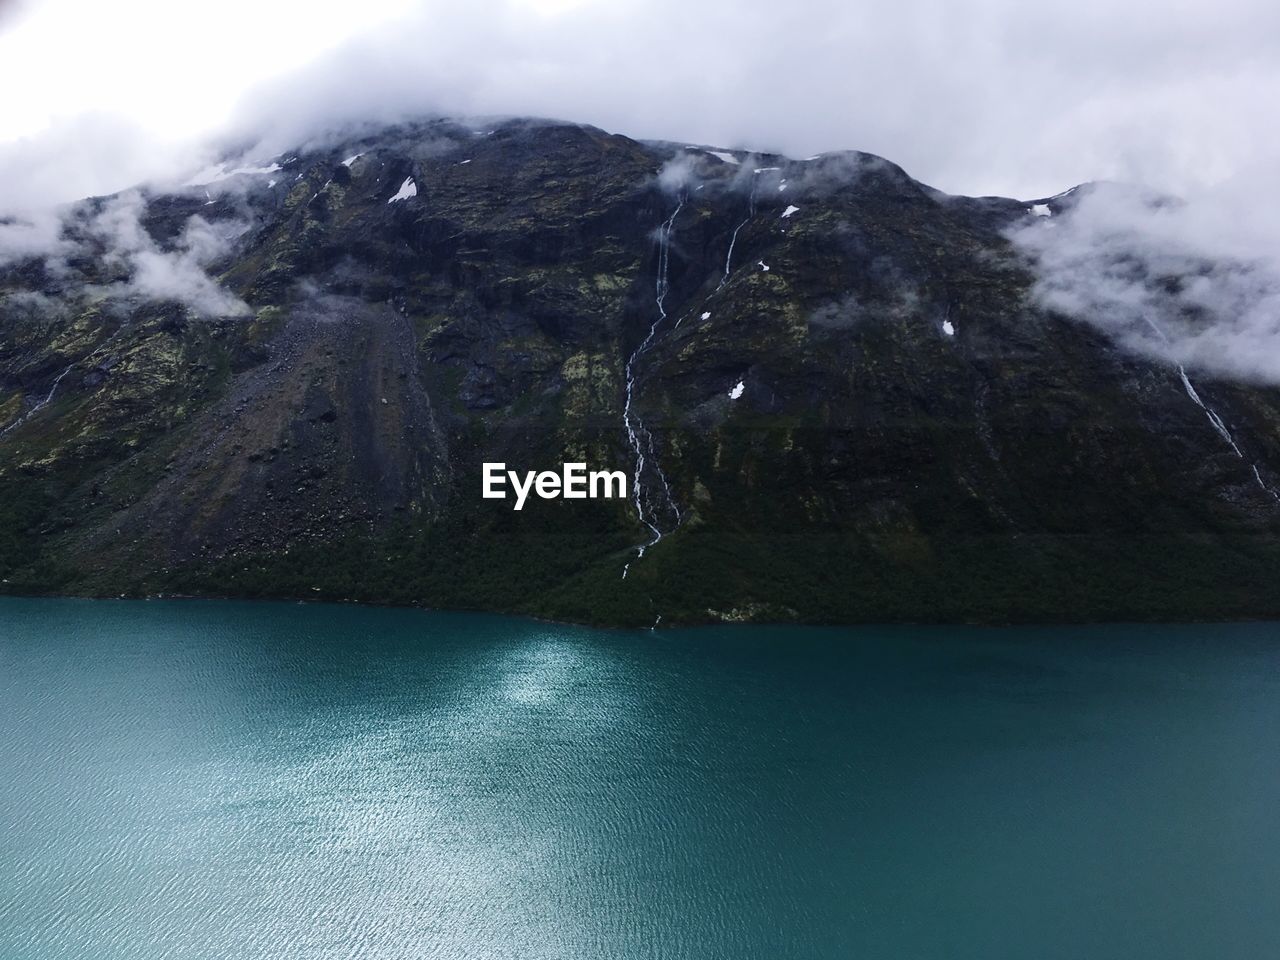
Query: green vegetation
{"points": [[874, 468]]}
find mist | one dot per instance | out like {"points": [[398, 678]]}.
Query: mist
{"points": [[177, 274], [1193, 282], [975, 97]]}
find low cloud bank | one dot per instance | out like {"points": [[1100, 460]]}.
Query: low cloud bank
{"points": [[1192, 282], [115, 236], [37, 233], [977, 97], [177, 274]]}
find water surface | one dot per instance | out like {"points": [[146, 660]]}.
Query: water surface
{"points": [[225, 780]]}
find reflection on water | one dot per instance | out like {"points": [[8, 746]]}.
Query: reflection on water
{"points": [[282, 781]]}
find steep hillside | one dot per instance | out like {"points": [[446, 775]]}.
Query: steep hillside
{"points": [[843, 401]]}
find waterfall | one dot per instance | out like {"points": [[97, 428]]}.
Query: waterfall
{"points": [[57, 381], [638, 435], [1216, 421], [41, 404], [751, 212]]}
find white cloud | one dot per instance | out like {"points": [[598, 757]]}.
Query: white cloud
{"points": [[974, 96], [1193, 283], [171, 68], [176, 274], [33, 234]]}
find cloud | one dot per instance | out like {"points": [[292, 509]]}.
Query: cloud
{"points": [[678, 173], [35, 234], [25, 307], [85, 156], [10, 10], [176, 274], [973, 96], [1192, 282], [983, 96]]}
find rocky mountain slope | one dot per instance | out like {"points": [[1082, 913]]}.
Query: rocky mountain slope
{"points": [[282, 380]]}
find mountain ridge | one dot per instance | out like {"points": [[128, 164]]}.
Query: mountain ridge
{"points": [[845, 403]]}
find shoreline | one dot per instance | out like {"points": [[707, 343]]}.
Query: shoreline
{"points": [[1029, 623]]}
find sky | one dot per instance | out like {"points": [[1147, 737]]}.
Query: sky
{"points": [[1021, 98], [973, 96]]}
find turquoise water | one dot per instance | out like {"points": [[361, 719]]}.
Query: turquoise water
{"points": [[224, 780]]}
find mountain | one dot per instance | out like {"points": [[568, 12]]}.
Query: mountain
{"points": [[283, 379]]}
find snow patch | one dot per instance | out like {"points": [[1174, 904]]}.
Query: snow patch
{"points": [[352, 159], [726, 157], [736, 392], [706, 315], [763, 266], [461, 162], [407, 189], [948, 328], [220, 172], [789, 211]]}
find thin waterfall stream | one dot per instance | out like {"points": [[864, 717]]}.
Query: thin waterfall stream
{"points": [[635, 428]]}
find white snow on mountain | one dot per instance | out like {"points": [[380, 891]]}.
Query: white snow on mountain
{"points": [[407, 189], [220, 172]]}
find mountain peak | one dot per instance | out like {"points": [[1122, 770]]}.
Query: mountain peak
{"points": [[829, 386]]}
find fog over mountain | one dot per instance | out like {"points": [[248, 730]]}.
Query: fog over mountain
{"points": [[958, 290], [838, 393], [1194, 282], [980, 97], [976, 97]]}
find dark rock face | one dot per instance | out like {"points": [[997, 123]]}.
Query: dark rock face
{"points": [[852, 410]]}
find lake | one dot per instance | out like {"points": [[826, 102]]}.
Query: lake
{"points": [[237, 780]]}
